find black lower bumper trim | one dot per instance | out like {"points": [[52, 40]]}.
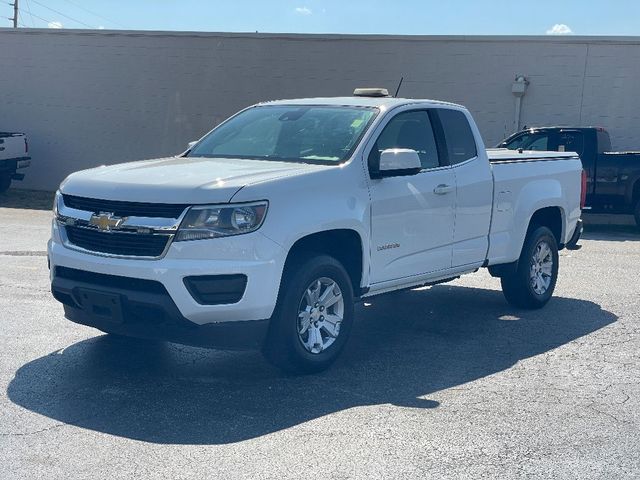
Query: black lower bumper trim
{"points": [[216, 289], [148, 313]]}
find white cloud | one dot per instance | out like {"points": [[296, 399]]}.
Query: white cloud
{"points": [[55, 25], [559, 29], [303, 11], [100, 27]]}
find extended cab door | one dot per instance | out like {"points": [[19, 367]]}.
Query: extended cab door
{"points": [[474, 187], [412, 216]]}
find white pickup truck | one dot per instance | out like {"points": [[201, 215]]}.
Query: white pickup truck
{"points": [[13, 157], [266, 231]]}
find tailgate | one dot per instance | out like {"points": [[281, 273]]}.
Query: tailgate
{"points": [[13, 146]]}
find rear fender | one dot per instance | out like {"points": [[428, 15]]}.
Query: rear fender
{"points": [[512, 217]]}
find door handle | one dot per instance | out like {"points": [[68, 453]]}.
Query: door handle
{"points": [[442, 189]]}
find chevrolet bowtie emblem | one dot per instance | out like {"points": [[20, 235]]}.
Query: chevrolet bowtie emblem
{"points": [[106, 221]]}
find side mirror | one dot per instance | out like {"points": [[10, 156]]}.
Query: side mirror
{"points": [[397, 162], [191, 144]]}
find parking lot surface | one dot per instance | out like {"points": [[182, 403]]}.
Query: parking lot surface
{"points": [[442, 382]]}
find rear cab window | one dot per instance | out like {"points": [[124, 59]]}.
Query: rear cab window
{"points": [[570, 142], [458, 136], [604, 141]]}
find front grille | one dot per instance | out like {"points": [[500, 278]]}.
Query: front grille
{"points": [[125, 209], [118, 243]]}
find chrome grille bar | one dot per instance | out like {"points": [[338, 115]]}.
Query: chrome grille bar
{"points": [[120, 238]]}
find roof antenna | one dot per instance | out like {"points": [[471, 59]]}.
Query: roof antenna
{"points": [[399, 85]]}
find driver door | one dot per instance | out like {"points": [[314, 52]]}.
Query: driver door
{"points": [[412, 217]]}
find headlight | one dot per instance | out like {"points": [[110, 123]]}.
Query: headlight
{"points": [[56, 200], [213, 221]]}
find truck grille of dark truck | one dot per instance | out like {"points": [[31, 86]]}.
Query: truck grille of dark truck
{"points": [[125, 209], [118, 243]]}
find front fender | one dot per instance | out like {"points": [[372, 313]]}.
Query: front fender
{"points": [[333, 199]]}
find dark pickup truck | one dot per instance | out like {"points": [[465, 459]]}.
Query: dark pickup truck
{"points": [[613, 178]]}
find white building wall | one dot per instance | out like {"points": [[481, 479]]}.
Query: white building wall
{"points": [[97, 97]]}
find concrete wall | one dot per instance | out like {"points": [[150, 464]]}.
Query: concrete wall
{"points": [[92, 97]]}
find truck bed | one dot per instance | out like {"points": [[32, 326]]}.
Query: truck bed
{"points": [[522, 179]]}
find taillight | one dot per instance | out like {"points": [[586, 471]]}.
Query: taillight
{"points": [[583, 191], [26, 145]]}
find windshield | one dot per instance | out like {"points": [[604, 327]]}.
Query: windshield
{"points": [[528, 141], [295, 133]]}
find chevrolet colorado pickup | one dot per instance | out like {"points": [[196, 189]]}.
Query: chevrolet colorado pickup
{"points": [[267, 230], [613, 178], [13, 157]]}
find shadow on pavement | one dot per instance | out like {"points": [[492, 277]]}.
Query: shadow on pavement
{"points": [[403, 347], [27, 199], [612, 233]]}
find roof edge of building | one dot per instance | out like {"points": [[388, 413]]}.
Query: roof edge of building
{"points": [[567, 39]]}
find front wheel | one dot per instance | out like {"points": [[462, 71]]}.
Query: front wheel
{"points": [[531, 285], [313, 317]]}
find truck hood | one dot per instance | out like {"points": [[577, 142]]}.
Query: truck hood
{"points": [[192, 180]]}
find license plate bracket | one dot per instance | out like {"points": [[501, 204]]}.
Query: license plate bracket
{"points": [[106, 306]]}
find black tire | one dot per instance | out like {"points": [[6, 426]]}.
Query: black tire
{"points": [[5, 183], [636, 213], [518, 287], [283, 346]]}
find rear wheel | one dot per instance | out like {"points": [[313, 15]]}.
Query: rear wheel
{"points": [[5, 183], [532, 284], [313, 318]]}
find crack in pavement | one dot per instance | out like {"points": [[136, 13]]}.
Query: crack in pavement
{"points": [[35, 432]]}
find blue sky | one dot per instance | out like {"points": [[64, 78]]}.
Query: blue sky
{"points": [[411, 17]]}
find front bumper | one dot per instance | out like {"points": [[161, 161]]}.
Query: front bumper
{"points": [[143, 309], [12, 166], [254, 255]]}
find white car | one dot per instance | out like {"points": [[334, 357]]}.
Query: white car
{"points": [[14, 151], [269, 228]]}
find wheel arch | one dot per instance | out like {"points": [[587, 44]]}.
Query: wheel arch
{"points": [[344, 244], [552, 218]]}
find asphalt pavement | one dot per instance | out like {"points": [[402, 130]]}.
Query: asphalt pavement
{"points": [[441, 382]]}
